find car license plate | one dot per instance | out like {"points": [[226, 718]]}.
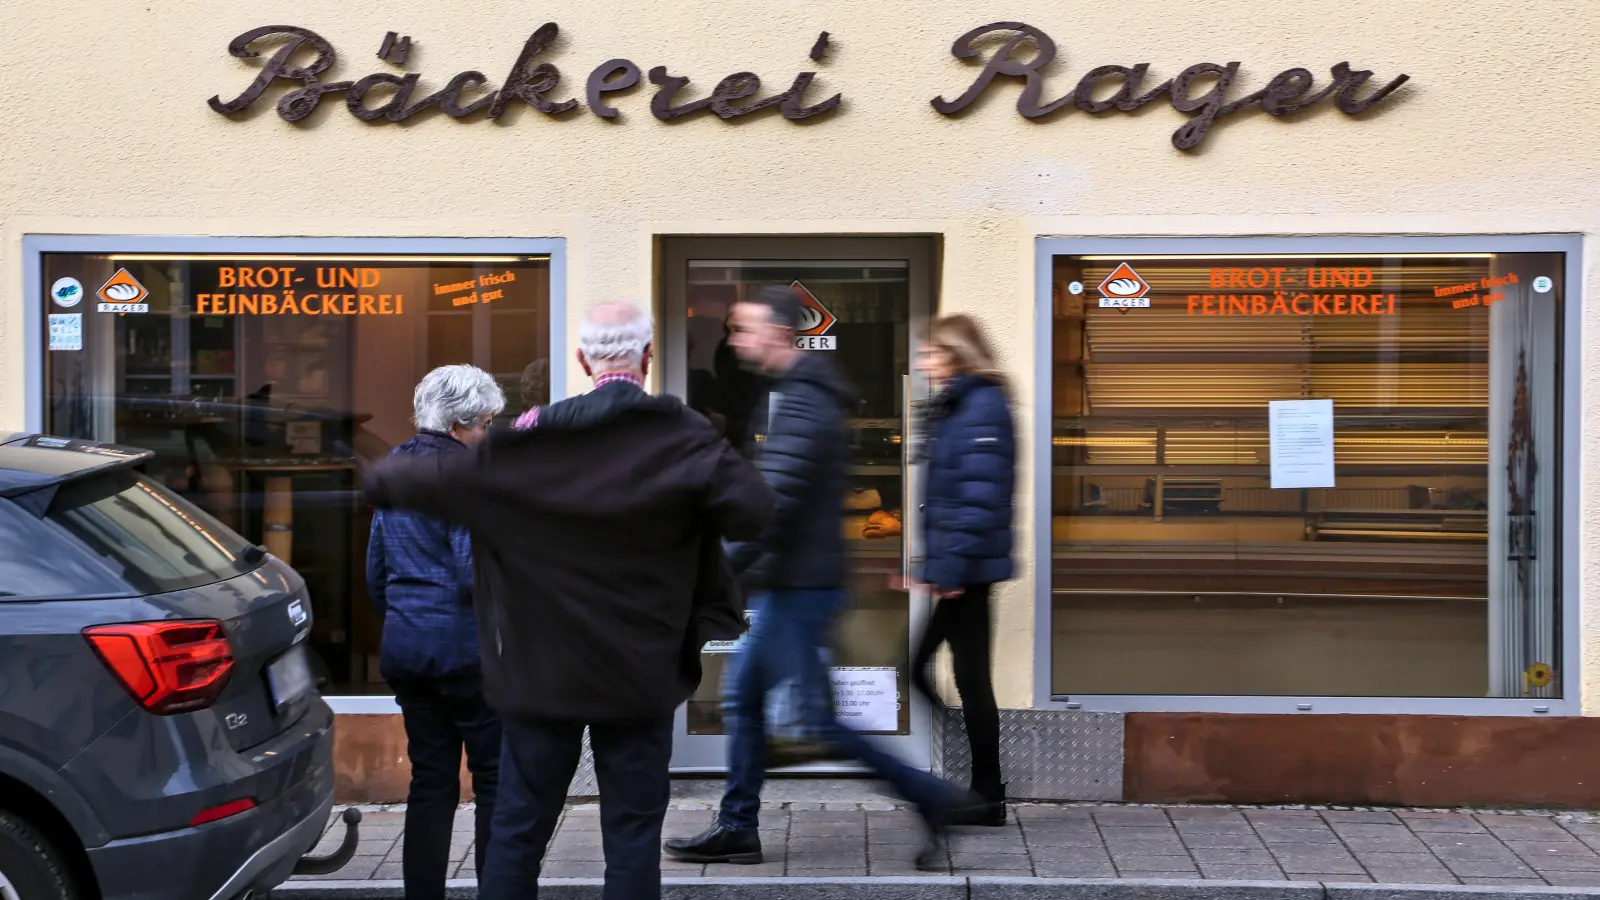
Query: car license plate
{"points": [[289, 677]]}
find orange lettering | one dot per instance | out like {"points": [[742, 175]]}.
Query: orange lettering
{"points": [[384, 309], [1338, 305], [1358, 304], [1219, 278], [290, 307], [248, 301], [247, 278], [1236, 305], [225, 277], [305, 305], [1194, 298], [1319, 304], [1279, 308], [1236, 278], [269, 304], [369, 305], [1363, 278], [1258, 271], [1298, 298], [369, 278], [1258, 305]]}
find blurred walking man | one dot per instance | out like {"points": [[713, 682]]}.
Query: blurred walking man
{"points": [[419, 575], [590, 523], [803, 451]]}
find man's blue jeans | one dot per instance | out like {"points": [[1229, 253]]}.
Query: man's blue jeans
{"points": [[790, 631]]}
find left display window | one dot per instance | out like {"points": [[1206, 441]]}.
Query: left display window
{"points": [[263, 383]]}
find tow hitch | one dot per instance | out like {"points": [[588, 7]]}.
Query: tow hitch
{"points": [[333, 862]]}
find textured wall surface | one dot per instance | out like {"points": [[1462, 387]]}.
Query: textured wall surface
{"points": [[106, 130], [1429, 761]]}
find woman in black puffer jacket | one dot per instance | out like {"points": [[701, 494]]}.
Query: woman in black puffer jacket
{"points": [[970, 455]]}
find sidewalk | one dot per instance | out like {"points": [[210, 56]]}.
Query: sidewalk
{"points": [[875, 839]]}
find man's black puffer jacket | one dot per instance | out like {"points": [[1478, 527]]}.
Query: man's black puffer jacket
{"points": [[802, 448]]}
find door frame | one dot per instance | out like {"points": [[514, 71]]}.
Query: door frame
{"points": [[708, 753]]}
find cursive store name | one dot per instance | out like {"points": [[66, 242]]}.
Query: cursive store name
{"points": [[1202, 91], [385, 97]]}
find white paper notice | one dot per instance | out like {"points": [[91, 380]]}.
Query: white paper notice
{"points": [[866, 699], [1302, 443], [66, 331]]}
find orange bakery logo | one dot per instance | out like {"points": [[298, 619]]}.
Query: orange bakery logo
{"points": [[123, 294], [1124, 289], [815, 321]]}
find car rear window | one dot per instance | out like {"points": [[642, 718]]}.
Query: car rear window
{"points": [[36, 562], [153, 539]]}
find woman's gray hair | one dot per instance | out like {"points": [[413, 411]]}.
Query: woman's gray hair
{"points": [[613, 336], [455, 395]]}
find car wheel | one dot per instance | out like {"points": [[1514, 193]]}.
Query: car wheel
{"points": [[30, 868]]}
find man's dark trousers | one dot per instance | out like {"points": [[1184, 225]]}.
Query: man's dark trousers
{"points": [[787, 639], [441, 715], [537, 762]]}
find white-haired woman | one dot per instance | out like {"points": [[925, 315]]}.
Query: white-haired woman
{"points": [[419, 574]]}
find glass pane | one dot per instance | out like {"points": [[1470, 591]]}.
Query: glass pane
{"points": [[1427, 568], [155, 541], [863, 320], [36, 561], [261, 381]]}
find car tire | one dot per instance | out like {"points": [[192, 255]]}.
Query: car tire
{"points": [[30, 868]]}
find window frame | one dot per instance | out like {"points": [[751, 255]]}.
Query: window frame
{"points": [[1570, 423], [34, 246]]}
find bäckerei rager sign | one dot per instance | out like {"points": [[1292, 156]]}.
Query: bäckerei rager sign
{"points": [[1203, 91]]}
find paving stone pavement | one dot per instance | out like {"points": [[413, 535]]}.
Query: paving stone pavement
{"points": [[1085, 841]]}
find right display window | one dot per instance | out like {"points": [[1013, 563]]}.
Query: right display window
{"points": [[1311, 475]]}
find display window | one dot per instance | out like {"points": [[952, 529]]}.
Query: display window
{"points": [[263, 382], [1307, 474]]}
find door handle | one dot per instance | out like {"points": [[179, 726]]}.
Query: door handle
{"points": [[908, 508]]}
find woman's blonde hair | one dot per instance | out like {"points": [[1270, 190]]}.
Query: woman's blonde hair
{"points": [[962, 337]]}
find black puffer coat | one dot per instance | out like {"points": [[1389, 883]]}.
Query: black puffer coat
{"points": [[802, 448]]}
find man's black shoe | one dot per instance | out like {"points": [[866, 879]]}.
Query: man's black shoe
{"points": [[935, 853], [718, 845]]}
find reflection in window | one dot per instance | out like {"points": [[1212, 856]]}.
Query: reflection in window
{"points": [[1429, 568], [261, 383]]}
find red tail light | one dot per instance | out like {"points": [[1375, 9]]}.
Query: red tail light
{"points": [[232, 808], [169, 667]]}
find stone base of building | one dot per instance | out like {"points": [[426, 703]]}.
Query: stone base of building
{"points": [[1357, 760]]}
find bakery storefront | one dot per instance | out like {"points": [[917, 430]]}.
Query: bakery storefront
{"points": [[1297, 343]]}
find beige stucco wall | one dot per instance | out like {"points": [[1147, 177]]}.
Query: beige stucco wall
{"points": [[106, 130]]}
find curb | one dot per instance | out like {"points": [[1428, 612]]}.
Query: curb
{"points": [[956, 888]]}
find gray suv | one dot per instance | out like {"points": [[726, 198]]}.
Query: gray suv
{"points": [[160, 735]]}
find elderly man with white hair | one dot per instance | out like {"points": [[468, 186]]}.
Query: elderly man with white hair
{"points": [[597, 525], [419, 575]]}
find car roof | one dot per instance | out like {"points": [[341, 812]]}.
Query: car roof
{"points": [[32, 461]]}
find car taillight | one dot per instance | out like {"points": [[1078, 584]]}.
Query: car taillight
{"points": [[232, 808], [168, 667]]}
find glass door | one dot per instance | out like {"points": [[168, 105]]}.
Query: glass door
{"points": [[865, 301]]}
